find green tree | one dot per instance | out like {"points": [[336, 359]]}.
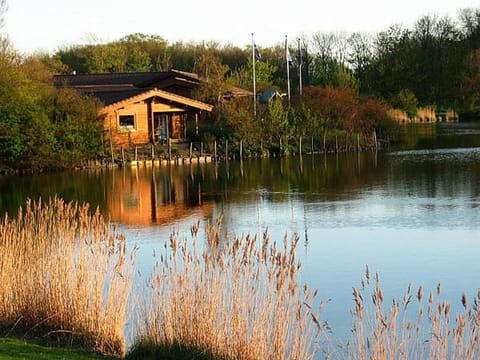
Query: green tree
{"points": [[243, 77], [470, 89], [407, 101], [77, 127], [276, 123], [215, 83]]}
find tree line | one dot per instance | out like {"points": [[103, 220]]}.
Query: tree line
{"points": [[350, 84], [434, 63]]}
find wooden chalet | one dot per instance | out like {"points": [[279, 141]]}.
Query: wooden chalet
{"points": [[142, 108]]}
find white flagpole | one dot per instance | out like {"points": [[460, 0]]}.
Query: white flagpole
{"points": [[288, 67], [300, 63], [254, 82]]}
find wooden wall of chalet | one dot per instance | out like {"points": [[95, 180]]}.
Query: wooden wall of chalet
{"points": [[140, 134]]}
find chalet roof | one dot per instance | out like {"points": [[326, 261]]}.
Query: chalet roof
{"points": [[124, 81], [121, 98], [114, 96]]}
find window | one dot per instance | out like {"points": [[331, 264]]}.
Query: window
{"points": [[127, 122]]}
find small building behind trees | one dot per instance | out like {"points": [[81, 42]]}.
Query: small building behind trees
{"points": [[142, 108]]}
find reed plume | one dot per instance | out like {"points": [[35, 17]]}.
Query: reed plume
{"points": [[65, 275], [408, 329], [237, 299]]}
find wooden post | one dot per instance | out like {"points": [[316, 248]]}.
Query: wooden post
{"points": [[375, 145], [123, 156], [153, 152], [215, 150], [196, 123], [300, 145], [241, 149], [191, 148], [226, 149], [136, 153], [336, 143], [169, 149], [111, 145], [325, 143], [358, 142], [201, 149], [313, 149]]}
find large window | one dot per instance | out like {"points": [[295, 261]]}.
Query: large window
{"points": [[127, 122]]}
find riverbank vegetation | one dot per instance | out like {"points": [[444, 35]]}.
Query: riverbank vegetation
{"points": [[354, 87], [66, 277], [239, 298], [67, 280]]}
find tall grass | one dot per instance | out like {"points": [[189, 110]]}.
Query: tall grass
{"points": [[65, 275], [396, 331], [237, 299]]}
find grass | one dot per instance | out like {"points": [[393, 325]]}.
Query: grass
{"points": [[14, 349]]}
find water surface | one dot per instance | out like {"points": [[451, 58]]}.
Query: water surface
{"points": [[412, 214]]}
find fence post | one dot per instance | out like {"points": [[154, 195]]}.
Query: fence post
{"points": [[169, 149]]}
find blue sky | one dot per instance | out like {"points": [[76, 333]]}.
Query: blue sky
{"points": [[50, 24]]}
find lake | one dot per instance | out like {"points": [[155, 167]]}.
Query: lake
{"points": [[413, 214]]}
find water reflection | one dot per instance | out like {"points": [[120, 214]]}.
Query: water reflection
{"points": [[159, 196], [413, 215]]}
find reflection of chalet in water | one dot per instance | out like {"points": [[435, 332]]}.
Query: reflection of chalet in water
{"points": [[142, 108], [146, 196]]}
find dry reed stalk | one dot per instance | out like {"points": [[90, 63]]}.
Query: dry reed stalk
{"points": [[391, 332], [399, 116], [66, 275], [426, 114], [238, 299]]}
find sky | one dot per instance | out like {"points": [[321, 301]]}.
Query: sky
{"points": [[48, 25]]}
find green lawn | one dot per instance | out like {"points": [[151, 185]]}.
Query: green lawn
{"points": [[18, 349]]}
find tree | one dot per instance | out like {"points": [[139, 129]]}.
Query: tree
{"points": [[360, 55], [213, 73], [40, 125], [243, 77], [471, 84], [276, 122], [78, 128], [329, 63], [406, 101]]}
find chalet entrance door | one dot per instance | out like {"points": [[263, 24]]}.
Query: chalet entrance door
{"points": [[160, 127]]}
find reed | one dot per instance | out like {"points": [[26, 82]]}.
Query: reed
{"points": [[65, 275], [239, 298], [396, 331]]}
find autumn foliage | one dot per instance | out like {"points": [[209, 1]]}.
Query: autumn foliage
{"points": [[345, 109]]}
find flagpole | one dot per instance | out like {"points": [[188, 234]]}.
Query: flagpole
{"points": [[254, 81], [288, 67], [300, 63]]}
